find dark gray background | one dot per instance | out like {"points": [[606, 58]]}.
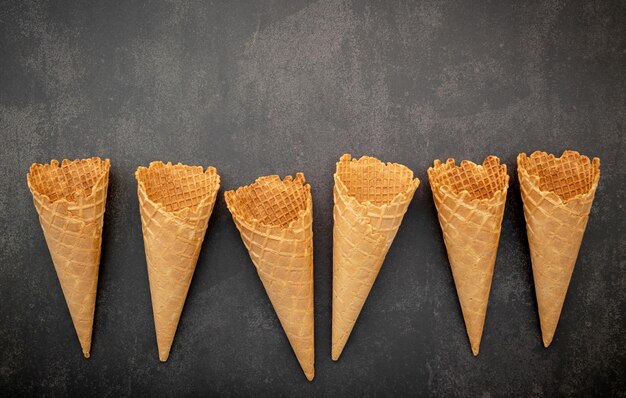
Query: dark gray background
{"points": [[257, 88]]}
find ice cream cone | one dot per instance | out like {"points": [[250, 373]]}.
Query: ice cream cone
{"points": [[176, 202], [275, 218], [557, 195], [371, 198], [71, 200], [470, 203]]}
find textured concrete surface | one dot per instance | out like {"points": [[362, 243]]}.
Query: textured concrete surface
{"points": [[258, 88]]}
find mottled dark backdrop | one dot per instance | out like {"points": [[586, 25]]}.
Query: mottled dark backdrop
{"points": [[257, 88]]}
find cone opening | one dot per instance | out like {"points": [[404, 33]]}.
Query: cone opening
{"points": [[568, 176], [271, 201], [479, 181], [68, 181], [370, 180], [178, 186]]}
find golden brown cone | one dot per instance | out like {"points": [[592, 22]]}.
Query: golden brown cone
{"points": [[470, 203], [557, 195], [371, 198], [71, 200], [275, 218], [176, 202]]}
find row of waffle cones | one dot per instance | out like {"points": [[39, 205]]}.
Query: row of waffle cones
{"points": [[274, 218]]}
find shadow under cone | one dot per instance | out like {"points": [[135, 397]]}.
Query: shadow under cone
{"points": [[70, 201], [557, 194], [176, 202], [371, 198], [274, 218], [470, 203]]}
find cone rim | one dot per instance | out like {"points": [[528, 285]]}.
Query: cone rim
{"points": [[554, 197], [399, 197], [210, 170], [231, 202], [55, 163], [464, 195]]}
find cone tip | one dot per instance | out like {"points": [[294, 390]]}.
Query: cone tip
{"points": [[86, 354], [475, 350], [310, 375], [547, 341], [163, 356], [336, 353]]}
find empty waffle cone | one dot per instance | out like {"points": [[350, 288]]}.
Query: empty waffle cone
{"points": [[176, 202], [557, 195], [371, 198], [71, 200], [470, 203], [274, 218]]}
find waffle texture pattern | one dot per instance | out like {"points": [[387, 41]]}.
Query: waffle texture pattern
{"points": [[274, 218], [371, 198], [70, 199], [176, 202], [470, 203], [558, 194]]}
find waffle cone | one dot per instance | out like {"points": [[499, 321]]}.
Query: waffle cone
{"points": [[371, 198], [175, 202], [70, 201], [470, 203], [275, 218], [557, 195]]}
